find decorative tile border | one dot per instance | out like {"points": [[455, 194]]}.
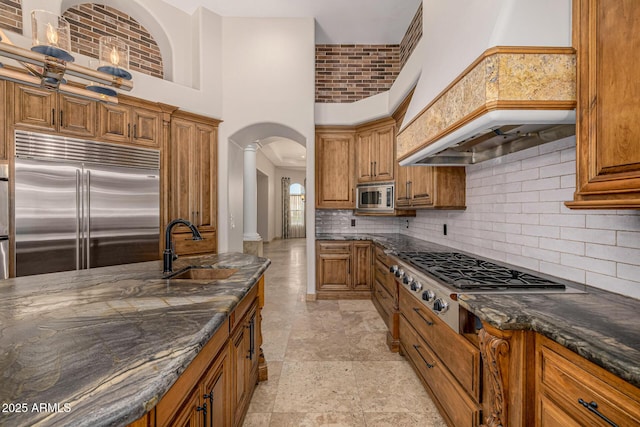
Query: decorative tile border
{"points": [[501, 78]]}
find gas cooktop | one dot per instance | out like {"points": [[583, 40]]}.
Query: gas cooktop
{"points": [[470, 274]]}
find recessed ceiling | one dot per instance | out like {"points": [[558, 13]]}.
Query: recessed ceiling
{"points": [[284, 153], [337, 21]]}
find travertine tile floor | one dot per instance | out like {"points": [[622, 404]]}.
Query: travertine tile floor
{"points": [[328, 361]]}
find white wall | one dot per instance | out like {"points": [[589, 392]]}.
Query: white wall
{"points": [[266, 196], [296, 176], [269, 76], [457, 32], [265, 217]]}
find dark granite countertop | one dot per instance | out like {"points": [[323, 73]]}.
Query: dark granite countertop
{"points": [[601, 326], [103, 345]]}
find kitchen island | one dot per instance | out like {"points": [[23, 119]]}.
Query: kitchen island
{"points": [[102, 346]]}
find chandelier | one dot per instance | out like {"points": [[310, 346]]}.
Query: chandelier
{"points": [[49, 61]]}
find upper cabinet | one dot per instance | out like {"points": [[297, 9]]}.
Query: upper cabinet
{"points": [[335, 187], [441, 187], [375, 157], [41, 109], [607, 127], [130, 124]]}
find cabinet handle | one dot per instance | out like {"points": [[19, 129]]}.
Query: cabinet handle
{"points": [[375, 168], [210, 397], [417, 310], [203, 409], [593, 407], [128, 130], [53, 116], [135, 131], [61, 120], [348, 266], [429, 365]]}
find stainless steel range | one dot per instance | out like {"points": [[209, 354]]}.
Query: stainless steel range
{"points": [[436, 279]]}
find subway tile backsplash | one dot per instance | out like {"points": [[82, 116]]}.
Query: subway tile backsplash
{"points": [[339, 221], [516, 214]]}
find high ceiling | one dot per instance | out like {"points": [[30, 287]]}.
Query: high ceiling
{"points": [[337, 21]]}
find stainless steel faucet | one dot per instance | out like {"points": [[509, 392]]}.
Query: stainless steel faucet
{"points": [[169, 254]]}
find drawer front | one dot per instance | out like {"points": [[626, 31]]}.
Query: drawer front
{"points": [[385, 301], [185, 245], [460, 356], [565, 377], [460, 409], [334, 247], [382, 257], [385, 278]]}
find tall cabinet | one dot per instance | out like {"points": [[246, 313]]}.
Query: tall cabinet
{"points": [[335, 165], [193, 184], [607, 126]]}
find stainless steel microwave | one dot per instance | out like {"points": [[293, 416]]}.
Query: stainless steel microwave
{"points": [[378, 197]]}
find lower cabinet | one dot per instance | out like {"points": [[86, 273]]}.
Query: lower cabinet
{"points": [[385, 296], [571, 391], [447, 364], [343, 269], [217, 386], [245, 364]]}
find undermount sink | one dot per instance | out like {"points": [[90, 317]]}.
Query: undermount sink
{"points": [[203, 273]]}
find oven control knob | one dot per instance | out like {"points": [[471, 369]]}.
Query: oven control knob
{"points": [[400, 273], [418, 286], [393, 269], [440, 306], [408, 280], [428, 295]]}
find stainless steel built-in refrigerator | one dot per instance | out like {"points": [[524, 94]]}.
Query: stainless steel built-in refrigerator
{"points": [[83, 204]]}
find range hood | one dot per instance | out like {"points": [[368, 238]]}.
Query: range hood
{"points": [[494, 134], [511, 98]]}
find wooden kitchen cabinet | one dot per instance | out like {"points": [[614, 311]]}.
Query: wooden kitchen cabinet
{"points": [[335, 167], [607, 126], [44, 110], [130, 122], [375, 148], [245, 364], [430, 187], [217, 386], [193, 180], [447, 362], [4, 132], [343, 269], [564, 379], [385, 296]]}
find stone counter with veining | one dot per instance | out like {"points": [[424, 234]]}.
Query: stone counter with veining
{"points": [[101, 347], [603, 327]]}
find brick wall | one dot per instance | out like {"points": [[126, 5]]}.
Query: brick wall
{"points": [[11, 15], [348, 73], [89, 21], [411, 37]]}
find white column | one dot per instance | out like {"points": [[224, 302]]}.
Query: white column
{"points": [[250, 197]]}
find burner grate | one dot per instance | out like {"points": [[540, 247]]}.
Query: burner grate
{"points": [[469, 273]]}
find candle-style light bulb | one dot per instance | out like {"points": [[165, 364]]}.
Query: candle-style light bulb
{"points": [[115, 58], [52, 34]]}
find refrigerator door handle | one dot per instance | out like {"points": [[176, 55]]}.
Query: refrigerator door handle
{"points": [[78, 223], [88, 220]]}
